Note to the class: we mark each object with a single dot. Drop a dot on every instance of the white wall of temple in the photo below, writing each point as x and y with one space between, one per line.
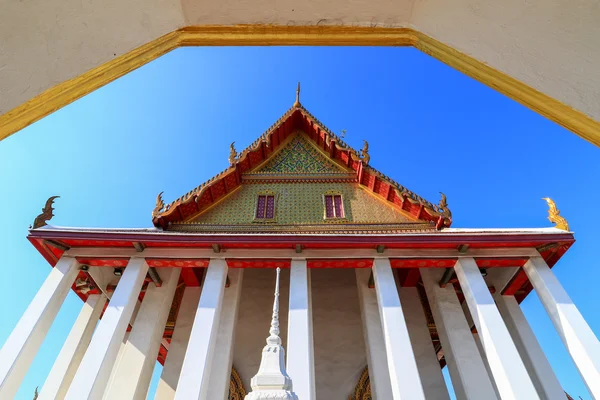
254 318
340 354
339 346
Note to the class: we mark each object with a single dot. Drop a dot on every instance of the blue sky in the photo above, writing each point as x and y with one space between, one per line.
167 127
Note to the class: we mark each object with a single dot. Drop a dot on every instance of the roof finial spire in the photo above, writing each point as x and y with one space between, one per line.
297 103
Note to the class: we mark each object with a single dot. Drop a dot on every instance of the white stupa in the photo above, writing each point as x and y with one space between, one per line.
272 381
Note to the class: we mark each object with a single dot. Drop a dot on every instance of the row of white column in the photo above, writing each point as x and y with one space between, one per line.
103 362
502 361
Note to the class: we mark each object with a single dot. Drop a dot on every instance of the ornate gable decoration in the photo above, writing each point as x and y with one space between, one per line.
299 157
298 144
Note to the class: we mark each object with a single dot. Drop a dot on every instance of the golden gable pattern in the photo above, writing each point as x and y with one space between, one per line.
300 157
302 204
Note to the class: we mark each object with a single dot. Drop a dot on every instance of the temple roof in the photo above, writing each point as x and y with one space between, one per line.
264 159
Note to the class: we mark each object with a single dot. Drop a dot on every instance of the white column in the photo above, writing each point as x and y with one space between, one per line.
510 375
68 360
220 373
133 372
193 381
479 344
181 335
379 375
544 379
467 370
576 334
300 363
93 373
404 374
430 371
23 343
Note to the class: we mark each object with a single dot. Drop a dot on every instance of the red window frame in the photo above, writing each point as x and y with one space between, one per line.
265 206
334 206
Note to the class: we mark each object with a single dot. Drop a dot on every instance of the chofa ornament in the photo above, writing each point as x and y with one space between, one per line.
554 215
160 204
46 215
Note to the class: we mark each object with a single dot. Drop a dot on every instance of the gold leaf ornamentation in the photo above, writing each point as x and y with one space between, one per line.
159 205
236 386
554 215
364 153
232 154
362 391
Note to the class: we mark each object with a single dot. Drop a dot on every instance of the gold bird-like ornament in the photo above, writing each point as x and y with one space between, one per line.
46 214
159 205
554 215
364 153
232 154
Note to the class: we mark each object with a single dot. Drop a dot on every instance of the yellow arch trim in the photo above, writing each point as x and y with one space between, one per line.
266 35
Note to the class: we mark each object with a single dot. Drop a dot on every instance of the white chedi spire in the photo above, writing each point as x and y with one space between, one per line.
272 381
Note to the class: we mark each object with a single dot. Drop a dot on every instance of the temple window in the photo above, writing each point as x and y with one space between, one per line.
334 205
265 207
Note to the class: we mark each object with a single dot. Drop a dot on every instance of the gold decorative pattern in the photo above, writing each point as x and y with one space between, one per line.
312 229
236 386
554 215
46 214
362 391
302 204
299 156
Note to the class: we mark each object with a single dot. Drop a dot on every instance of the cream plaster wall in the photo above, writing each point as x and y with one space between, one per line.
339 345
254 318
43 43
340 354
553 46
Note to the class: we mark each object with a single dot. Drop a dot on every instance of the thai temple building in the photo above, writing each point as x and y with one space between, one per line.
300 272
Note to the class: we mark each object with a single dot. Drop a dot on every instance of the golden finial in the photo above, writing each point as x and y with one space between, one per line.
232 154
46 214
159 205
364 153
297 103
554 215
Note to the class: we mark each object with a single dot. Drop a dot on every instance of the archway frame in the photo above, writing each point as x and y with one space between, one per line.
267 35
